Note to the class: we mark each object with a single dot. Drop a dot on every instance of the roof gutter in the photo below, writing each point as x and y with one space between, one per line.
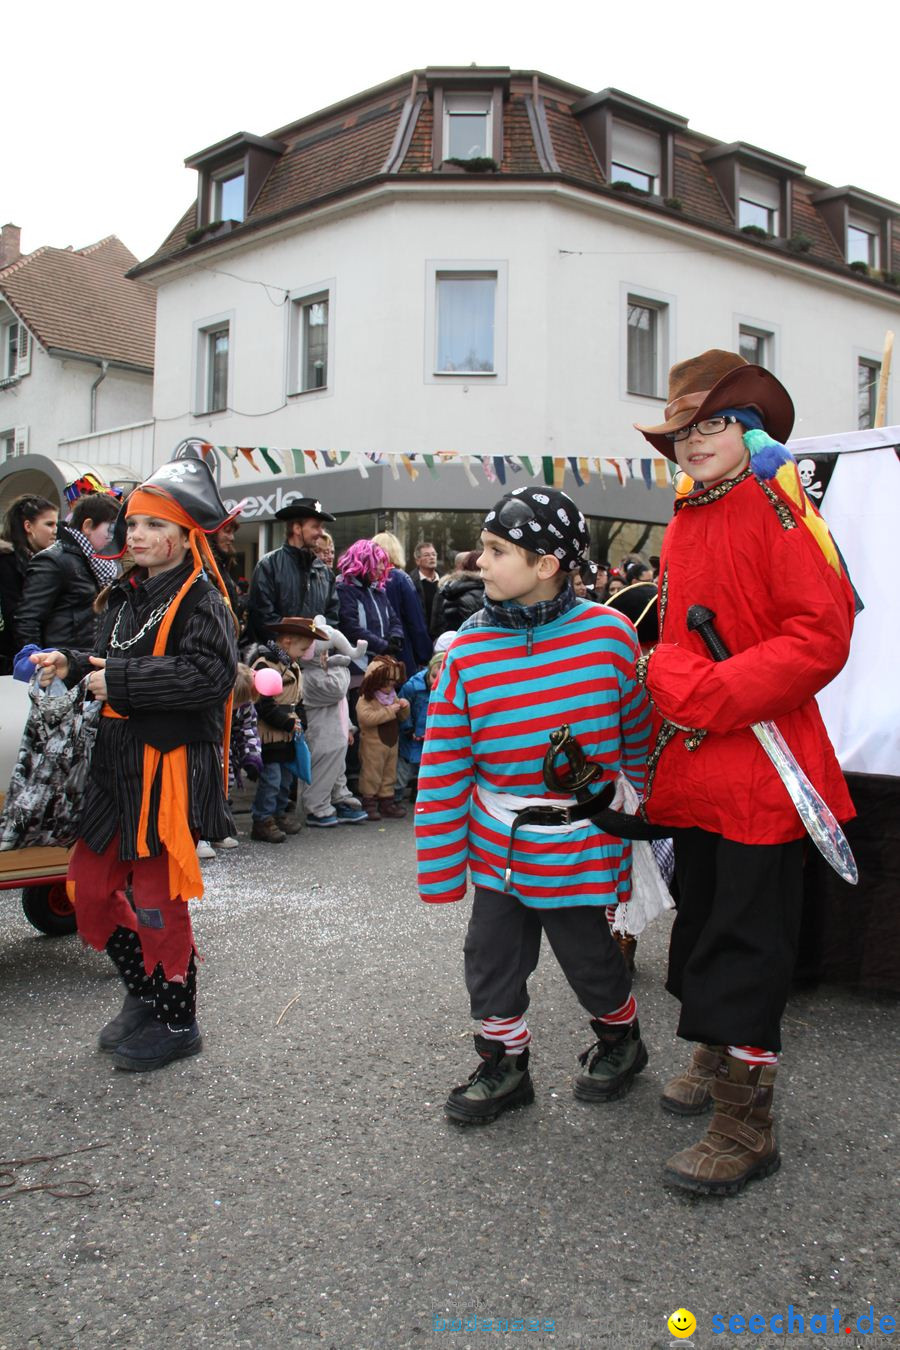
63 354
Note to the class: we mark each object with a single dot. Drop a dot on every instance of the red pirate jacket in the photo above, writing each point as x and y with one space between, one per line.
761 564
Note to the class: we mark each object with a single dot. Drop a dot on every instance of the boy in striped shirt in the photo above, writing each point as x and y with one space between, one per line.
534 658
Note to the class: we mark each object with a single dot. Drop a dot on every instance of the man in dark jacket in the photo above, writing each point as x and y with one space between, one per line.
63 581
293 579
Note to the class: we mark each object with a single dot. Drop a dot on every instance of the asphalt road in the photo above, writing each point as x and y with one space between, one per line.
298 1185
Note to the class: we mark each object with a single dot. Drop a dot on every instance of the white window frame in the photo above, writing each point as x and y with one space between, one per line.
482 104
873 360
664 304
435 270
770 332
238 169
294 355
203 330
8 444
870 227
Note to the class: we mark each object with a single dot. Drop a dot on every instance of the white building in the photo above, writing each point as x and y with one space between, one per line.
76 367
500 264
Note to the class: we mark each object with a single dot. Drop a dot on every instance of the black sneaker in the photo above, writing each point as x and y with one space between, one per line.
500 1082
616 1059
135 1012
155 1044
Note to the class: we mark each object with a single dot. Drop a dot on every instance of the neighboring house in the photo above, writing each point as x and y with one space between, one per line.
498 262
76 359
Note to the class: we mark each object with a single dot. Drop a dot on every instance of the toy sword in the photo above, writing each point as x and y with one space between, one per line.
818 821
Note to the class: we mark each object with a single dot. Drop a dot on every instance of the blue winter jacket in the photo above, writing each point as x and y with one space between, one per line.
412 731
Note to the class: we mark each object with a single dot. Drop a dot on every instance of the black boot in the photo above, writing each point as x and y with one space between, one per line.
135 1012
500 1082
172 1031
124 950
616 1059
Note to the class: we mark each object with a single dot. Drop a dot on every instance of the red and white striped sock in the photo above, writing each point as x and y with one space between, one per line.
621 1017
752 1054
512 1031
611 914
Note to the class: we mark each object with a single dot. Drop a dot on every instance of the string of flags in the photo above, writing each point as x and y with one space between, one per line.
552 469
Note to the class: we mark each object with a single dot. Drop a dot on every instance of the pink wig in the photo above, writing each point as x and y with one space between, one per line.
365 561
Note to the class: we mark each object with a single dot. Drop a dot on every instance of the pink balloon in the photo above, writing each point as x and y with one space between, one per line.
268 682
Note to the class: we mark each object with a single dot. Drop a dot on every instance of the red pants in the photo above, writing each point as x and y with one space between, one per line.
96 883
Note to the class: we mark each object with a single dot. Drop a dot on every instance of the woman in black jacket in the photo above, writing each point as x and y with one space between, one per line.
459 595
63 581
30 526
164 666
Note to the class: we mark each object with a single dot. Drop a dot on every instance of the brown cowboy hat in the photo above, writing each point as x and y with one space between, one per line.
704 385
292 626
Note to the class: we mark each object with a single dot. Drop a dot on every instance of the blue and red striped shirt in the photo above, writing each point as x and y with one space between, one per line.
502 690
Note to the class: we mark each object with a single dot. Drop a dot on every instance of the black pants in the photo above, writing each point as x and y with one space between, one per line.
503 944
734 942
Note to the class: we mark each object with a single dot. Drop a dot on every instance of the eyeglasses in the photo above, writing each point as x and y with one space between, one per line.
710 426
515 512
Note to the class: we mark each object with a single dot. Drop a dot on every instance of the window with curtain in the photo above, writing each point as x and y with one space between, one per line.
645 339
217 370
868 374
465 323
755 346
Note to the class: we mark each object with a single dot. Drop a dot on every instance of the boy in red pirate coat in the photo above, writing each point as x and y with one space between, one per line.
747 544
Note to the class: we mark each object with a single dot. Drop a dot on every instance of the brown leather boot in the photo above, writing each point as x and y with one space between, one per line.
740 1142
267 831
289 824
370 806
687 1094
391 810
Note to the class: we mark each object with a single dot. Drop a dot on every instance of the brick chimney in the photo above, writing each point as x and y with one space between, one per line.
10 238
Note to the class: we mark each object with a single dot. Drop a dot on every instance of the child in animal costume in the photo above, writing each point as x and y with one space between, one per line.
280 717
327 799
534 660
378 712
747 544
164 666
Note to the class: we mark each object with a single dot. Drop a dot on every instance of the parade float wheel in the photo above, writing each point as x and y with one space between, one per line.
49 909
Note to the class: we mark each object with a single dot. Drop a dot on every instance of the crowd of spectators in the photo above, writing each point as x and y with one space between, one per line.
394 624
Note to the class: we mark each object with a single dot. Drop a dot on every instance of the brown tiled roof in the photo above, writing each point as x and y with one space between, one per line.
346 148
418 155
81 301
327 160
574 155
519 153
696 188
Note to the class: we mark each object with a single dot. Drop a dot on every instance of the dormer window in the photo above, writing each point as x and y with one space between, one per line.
227 194
636 157
759 202
862 239
467 126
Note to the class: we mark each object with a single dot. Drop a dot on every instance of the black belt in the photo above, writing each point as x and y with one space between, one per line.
556 815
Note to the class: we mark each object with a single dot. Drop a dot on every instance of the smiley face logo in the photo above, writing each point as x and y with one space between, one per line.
682 1323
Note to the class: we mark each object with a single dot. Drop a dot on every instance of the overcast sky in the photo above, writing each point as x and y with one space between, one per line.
104 101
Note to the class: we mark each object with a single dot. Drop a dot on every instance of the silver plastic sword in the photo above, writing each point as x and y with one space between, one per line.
818 821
